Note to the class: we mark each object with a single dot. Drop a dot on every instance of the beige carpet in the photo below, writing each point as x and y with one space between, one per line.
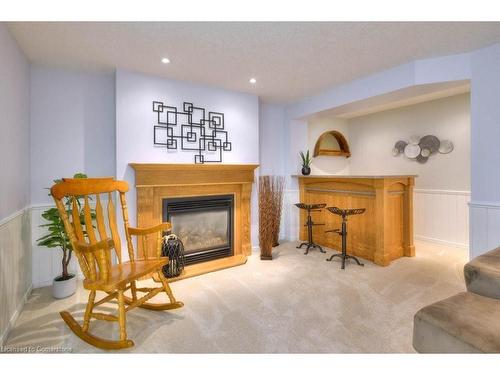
294 304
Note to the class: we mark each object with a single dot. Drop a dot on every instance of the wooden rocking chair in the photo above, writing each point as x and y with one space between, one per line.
95 259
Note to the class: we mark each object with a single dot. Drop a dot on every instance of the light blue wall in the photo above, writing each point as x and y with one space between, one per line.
15 250
271 139
14 126
72 126
485 117
135 119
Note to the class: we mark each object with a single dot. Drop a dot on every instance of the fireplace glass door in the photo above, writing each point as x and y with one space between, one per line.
204 225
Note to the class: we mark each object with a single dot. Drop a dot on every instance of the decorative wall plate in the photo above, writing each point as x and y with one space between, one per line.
422 159
425 152
430 142
446 147
414 140
412 151
400 146
421 149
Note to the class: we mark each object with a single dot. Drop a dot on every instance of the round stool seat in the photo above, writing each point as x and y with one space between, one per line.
346 212
311 206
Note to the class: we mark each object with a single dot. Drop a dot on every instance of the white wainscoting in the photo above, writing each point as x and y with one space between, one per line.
290 220
15 268
442 216
485 227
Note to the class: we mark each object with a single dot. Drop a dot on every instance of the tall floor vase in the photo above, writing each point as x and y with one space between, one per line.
270 208
278 185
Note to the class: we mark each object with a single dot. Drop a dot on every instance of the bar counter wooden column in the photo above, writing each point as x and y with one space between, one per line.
383 233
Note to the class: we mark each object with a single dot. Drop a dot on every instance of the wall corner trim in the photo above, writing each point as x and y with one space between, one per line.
484 204
12 216
445 192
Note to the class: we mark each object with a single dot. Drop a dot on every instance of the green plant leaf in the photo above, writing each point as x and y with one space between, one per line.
306 158
55 235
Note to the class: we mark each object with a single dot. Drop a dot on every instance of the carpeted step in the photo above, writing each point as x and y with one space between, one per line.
482 274
464 323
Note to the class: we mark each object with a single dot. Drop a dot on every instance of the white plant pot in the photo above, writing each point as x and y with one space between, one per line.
64 288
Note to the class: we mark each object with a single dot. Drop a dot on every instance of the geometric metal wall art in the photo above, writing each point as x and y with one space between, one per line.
420 149
191 129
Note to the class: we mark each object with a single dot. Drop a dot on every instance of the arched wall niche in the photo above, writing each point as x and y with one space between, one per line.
332 143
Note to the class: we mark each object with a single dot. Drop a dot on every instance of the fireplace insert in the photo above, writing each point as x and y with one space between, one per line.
204 225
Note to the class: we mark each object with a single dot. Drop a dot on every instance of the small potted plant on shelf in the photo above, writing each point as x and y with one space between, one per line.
64 285
306 163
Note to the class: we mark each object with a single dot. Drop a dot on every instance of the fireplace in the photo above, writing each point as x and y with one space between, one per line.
156 183
204 224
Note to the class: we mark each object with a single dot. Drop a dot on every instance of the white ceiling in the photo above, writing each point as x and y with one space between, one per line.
290 60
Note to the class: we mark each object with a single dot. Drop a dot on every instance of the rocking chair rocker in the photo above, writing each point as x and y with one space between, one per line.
94 256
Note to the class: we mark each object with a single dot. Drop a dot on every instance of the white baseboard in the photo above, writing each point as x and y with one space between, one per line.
15 315
42 284
442 242
419 238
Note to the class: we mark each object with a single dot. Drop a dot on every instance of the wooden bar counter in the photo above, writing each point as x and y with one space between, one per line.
383 233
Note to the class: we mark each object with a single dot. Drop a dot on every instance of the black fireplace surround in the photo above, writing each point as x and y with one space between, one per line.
204 224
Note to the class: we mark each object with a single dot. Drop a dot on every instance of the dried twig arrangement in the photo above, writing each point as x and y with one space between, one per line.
270 208
278 186
266 232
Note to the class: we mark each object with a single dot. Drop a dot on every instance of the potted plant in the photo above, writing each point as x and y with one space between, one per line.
306 163
64 285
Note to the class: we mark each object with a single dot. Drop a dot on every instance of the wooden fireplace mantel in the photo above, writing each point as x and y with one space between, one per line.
154 182
192 174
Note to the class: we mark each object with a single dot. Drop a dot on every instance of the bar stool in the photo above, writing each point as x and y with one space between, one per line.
309 224
344 213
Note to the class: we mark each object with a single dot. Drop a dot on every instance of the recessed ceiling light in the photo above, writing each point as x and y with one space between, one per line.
253 81
165 60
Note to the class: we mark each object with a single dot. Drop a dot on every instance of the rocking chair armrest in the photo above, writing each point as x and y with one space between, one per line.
106 244
154 229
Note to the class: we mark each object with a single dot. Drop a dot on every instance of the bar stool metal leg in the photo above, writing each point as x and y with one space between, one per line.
309 224
343 232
